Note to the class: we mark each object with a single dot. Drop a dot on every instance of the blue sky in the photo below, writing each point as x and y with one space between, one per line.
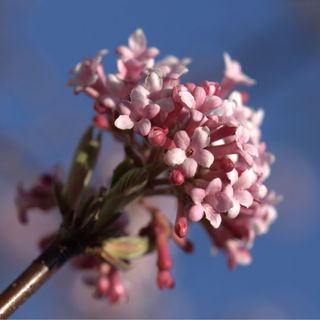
277 43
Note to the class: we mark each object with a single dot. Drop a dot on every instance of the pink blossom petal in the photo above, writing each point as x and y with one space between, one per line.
244 197
204 158
139 97
214 186
233 176
199 96
242 135
246 180
124 122
197 195
137 41
212 216
220 202
174 157
196 212
187 98
210 104
234 211
153 82
143 127
151 110
189 167
181 139
201 138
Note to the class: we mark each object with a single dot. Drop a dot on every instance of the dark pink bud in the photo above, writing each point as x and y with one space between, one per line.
157 136
164 258
176 177
101 122
165 280
181 225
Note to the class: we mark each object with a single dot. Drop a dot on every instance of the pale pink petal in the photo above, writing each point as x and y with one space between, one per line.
213 217
244 197
197 195
214 186
187 98
139 97
151 110
174 157
228 190
137 41
153 82
201 138
181 139
220 202
143 127
189 167
234 211
233 176
196 212
204 158
210 104
251 149
246 179
124 122
242 135
199 96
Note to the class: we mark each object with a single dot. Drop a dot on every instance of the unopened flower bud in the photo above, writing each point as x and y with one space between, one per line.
177 177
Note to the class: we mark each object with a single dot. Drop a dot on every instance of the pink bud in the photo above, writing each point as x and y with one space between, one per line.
157 136
181 225
101 122
165 280
176 177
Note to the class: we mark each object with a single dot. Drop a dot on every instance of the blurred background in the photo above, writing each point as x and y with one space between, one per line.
278 44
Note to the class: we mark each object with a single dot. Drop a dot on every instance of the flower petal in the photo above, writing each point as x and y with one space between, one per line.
137 41
124 122
196 212
234 211
244 197
181 139
189 167
204 158
187 99
197 195
201 138
139 97
214 186
246 180
151 110
143 127
212 216
174 157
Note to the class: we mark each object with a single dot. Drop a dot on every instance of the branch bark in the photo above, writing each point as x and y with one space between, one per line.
35 275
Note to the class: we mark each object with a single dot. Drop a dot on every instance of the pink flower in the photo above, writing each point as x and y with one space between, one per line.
233 72
136 57
190 152
238 190
89 73
210 202
137 113
40 196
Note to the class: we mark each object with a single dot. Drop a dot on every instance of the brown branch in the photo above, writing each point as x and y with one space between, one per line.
34 276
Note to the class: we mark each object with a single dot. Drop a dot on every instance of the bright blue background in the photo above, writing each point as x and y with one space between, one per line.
277 43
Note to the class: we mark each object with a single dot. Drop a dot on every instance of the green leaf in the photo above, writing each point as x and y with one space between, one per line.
130 186
127 247
83 163
121 169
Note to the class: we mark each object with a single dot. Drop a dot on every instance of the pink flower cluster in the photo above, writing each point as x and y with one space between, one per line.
200 142
205 134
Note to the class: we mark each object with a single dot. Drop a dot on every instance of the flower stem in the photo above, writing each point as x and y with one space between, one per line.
35 275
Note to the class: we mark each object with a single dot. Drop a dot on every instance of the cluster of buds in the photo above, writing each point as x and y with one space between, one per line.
199 143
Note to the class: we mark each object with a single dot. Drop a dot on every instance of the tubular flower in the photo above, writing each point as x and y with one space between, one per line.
200 143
